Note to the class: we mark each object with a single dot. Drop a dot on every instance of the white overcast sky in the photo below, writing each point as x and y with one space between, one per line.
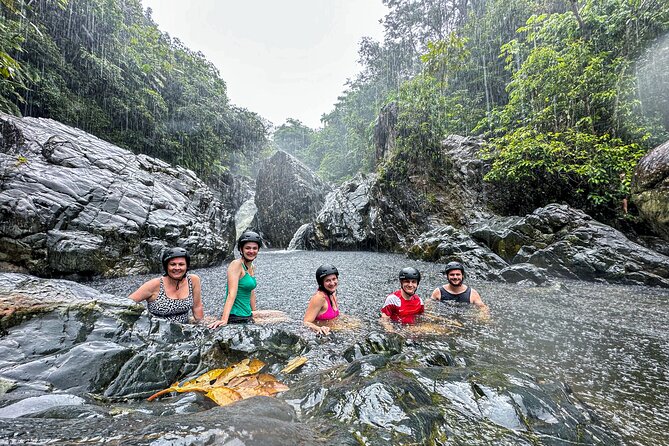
279 58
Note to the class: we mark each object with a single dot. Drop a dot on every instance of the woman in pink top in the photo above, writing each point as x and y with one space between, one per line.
323 305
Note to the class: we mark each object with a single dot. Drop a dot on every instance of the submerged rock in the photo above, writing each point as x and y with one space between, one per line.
74 205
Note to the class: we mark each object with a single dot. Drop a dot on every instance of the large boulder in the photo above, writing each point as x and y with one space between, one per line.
288 195
650 189
566 242
446 243
74 205
361 215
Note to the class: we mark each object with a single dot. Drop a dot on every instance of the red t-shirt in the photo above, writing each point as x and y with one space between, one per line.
402 310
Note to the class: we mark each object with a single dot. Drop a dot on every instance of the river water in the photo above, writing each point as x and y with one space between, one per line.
608 343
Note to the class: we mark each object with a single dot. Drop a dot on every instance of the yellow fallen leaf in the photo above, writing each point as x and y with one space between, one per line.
223 395
242 368
294 364
233 383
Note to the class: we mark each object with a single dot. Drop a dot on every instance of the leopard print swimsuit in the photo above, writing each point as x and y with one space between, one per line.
172 309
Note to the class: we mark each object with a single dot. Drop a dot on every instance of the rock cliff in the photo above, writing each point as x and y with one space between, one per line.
74 205
288 194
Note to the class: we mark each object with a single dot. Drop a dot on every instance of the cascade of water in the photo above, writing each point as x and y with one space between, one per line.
245 215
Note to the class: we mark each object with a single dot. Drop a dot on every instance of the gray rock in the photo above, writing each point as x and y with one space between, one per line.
72 204
385 131
650 189
359 215
446 244
523 272
70 352
288 195
372 212
390 397
568 243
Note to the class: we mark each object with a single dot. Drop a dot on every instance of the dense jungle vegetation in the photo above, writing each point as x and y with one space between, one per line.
568 94
104 66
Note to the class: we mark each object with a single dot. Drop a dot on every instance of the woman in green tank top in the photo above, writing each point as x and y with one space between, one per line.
240 295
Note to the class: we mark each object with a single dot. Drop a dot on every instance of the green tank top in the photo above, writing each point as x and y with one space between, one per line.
242 305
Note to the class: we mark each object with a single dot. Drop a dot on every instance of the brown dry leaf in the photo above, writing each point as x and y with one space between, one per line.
233 383
242 368
223 395
294 364
263 384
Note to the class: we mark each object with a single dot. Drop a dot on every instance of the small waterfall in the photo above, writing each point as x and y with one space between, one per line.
245 215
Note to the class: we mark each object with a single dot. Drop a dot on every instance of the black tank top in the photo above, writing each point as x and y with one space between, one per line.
461 297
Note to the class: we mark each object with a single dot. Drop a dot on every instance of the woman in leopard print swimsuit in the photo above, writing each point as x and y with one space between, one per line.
166 296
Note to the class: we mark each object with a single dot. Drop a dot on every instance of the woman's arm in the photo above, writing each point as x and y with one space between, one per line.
234 273
146 291
315 308
198 308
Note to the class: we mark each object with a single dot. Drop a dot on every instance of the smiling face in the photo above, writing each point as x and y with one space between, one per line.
330 283
176 268
455 277
250 250
409 286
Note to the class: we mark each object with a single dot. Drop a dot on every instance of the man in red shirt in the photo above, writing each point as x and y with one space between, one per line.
404 305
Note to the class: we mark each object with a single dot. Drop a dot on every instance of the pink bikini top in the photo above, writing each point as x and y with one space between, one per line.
330 313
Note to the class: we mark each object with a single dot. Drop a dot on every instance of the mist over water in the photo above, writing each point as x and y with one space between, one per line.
652 80
608 343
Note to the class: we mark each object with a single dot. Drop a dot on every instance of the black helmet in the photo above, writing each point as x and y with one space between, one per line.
450 266
173 253
323 271
410 273
249 236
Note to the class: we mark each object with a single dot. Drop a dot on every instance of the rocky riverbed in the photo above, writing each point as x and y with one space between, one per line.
562 363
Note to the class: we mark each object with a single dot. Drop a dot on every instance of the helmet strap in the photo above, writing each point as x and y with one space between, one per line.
178 281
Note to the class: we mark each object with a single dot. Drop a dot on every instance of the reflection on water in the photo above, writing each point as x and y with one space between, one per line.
609 343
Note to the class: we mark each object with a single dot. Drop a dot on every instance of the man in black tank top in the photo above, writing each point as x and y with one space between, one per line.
455 290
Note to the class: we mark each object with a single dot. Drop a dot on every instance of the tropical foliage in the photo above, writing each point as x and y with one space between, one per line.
552 85
103 66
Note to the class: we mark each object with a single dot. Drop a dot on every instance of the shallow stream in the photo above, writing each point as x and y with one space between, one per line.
608 343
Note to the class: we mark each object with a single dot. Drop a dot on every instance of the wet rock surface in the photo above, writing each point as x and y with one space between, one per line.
555 240
79 370
359 215
650 189
74 205
568 243
288 195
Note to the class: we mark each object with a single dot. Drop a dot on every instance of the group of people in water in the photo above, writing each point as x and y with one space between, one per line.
174 295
